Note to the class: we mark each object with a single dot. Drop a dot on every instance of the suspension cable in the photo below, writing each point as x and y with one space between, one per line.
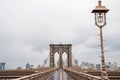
46 60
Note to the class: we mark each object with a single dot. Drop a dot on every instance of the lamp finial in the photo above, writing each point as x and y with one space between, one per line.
99 3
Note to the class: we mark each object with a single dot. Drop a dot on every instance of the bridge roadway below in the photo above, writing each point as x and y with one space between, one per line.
60 74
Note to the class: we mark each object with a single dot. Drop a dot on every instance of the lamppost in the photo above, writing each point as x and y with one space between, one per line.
100 21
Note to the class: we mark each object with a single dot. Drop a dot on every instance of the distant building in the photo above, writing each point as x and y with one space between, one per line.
91 66
39 66
18 68
108 65
76 63
114 67
83 64
2 66
87 65
28 66
98 66
31 66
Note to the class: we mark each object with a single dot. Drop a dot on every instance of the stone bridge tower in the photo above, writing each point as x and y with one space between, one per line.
60 49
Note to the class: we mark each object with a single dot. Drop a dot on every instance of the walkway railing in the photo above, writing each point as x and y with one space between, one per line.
82 74
38 75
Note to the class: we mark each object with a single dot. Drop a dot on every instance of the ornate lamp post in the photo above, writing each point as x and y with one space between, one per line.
100 20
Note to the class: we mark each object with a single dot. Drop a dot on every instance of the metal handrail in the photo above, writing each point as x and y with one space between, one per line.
34 75
88 76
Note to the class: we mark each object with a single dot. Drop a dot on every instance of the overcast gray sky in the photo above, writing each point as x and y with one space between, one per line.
27 27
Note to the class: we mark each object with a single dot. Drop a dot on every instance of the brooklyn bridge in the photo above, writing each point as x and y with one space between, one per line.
68 71
59 72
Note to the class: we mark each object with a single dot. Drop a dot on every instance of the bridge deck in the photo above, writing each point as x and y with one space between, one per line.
70 73
60 75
